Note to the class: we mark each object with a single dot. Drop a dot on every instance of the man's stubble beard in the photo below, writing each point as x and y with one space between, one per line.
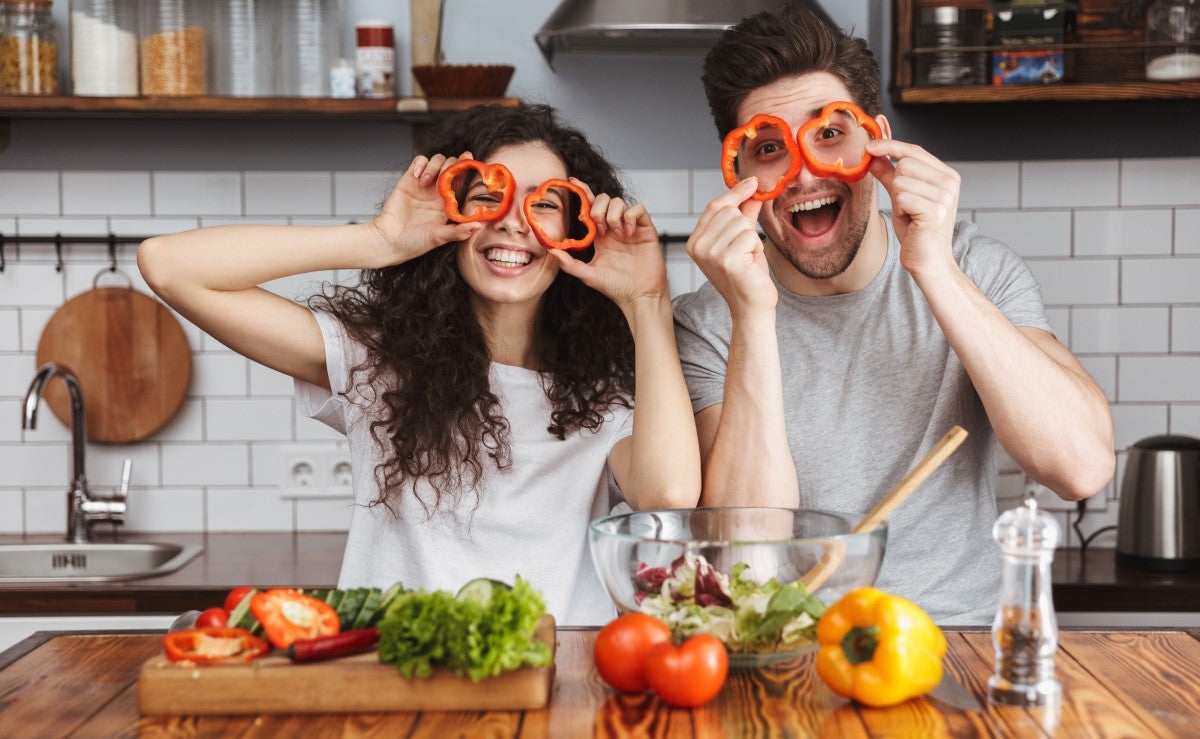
836 258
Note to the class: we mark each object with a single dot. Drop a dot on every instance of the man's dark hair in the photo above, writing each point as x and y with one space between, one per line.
768 46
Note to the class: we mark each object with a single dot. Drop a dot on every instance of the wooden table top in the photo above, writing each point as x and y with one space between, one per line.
1114 684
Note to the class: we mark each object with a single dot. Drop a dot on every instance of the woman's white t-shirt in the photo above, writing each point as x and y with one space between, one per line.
531 519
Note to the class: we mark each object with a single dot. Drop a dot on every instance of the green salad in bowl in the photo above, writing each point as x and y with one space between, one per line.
735 573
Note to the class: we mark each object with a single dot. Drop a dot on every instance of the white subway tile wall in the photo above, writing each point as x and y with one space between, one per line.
1115 245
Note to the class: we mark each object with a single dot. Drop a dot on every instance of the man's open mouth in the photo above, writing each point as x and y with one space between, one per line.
814 218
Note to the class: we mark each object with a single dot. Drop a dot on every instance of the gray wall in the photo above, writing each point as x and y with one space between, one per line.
644 112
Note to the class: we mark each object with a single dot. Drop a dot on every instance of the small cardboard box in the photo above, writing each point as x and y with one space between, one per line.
1032 32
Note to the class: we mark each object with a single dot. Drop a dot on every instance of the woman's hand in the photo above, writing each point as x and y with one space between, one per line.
628 265
413 220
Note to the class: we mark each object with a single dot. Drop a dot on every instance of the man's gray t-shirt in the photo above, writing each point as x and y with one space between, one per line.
869 386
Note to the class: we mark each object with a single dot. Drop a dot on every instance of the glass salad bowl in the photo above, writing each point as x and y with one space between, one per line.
741 574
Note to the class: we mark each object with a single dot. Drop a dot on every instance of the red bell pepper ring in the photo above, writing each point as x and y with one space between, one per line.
733 142
212 644
288 616
585 216
838 169
496 178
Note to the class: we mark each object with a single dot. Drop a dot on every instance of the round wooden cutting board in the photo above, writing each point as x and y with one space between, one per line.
130 355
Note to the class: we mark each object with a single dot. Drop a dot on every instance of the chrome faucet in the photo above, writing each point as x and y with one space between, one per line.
83 509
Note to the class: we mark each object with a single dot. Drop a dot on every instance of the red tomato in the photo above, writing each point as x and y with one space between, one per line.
689 675
235 596
212 617
621 648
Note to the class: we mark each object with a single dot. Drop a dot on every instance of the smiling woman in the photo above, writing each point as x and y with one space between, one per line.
485 380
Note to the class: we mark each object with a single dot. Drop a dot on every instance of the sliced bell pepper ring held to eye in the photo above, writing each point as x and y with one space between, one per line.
211 644
585 216
288 615
733 142
846 172
496 178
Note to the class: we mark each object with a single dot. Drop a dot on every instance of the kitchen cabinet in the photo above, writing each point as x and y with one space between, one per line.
1108 51
14 629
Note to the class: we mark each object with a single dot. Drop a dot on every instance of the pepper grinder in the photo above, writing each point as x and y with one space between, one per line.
1025 631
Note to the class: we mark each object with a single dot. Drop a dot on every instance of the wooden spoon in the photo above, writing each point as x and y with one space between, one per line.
835 550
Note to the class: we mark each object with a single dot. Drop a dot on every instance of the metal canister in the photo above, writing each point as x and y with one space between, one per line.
950 27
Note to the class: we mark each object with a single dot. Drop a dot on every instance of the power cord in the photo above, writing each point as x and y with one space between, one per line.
1084 541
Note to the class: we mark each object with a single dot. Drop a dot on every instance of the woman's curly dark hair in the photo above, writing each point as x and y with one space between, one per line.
435 415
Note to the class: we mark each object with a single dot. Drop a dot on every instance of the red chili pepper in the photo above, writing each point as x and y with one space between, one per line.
838 169
338 645
211 644
288 615
496 178
585 216
733 142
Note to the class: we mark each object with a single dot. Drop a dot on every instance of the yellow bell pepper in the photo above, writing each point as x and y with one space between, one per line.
879 649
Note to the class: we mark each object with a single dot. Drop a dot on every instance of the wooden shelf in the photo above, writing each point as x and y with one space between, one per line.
1107 61
1062 91
405 109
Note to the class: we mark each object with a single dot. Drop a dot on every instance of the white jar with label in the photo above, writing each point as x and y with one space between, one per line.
375 59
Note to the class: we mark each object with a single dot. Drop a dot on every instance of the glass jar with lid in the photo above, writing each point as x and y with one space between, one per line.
243 47
104 47
310 38
1173 33
28 48
174 47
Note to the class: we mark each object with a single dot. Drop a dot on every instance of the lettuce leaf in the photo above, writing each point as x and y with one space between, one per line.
424 630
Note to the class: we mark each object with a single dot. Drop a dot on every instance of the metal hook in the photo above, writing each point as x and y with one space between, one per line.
1 251
58 262
112 252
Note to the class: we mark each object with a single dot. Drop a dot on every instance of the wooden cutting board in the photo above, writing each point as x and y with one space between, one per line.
351 684
130 355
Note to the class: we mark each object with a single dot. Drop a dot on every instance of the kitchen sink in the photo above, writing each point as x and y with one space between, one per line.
92 562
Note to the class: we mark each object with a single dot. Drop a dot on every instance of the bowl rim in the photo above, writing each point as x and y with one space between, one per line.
880 530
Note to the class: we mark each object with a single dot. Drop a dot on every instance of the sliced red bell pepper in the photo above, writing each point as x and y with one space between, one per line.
839 169
211 644
585 216
496 178
733 142
288 615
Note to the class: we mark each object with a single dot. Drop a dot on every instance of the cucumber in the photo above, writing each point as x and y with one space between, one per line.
319 593
385 601
335 598
241 617
480 589
367 612
349 608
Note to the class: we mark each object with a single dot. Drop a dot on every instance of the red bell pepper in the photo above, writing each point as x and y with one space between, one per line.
733 142
585 216
288 615
839 169
496 178
211 644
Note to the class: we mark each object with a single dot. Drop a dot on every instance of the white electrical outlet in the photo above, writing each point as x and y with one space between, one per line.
315 471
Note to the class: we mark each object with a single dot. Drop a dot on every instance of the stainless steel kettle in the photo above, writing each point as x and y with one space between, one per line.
1158 525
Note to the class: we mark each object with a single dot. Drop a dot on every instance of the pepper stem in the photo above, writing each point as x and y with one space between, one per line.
859 644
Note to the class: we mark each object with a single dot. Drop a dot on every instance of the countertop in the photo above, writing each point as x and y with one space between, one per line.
1092 582
1114 684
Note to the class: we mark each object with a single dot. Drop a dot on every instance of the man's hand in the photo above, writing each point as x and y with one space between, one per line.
924 192
726 246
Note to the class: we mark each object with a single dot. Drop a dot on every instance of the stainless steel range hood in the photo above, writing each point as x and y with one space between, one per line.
645 26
